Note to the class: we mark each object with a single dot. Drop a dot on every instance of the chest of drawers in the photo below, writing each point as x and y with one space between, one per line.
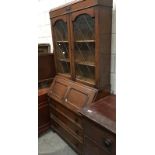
43 111
67 98
99 123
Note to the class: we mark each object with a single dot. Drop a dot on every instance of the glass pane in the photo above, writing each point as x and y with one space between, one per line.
63 67
62 49
85 72
84 47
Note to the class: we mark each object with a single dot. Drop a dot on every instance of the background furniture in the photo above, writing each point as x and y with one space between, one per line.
81 34
99 122
46 73
43 111
66 99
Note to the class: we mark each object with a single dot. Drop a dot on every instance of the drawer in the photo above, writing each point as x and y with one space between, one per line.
43 115
66 112
67 122
67 136
42 98
100 136
90 148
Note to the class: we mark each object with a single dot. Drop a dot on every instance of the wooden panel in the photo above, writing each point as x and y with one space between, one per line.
78 5
54 20
67 136
46 66
44 48
100 135
43 111
103 112
77 98
58 11
43 114
89 11
72 116
90 3
90 148
67 122
42 95
58 89
80 95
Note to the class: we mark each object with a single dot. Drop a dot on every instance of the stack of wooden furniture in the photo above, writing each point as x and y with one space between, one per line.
46 73
81 32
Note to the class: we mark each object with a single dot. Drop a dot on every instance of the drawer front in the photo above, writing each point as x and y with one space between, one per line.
90 148
72 126
42 98
43 114
67 136
68 113
101 136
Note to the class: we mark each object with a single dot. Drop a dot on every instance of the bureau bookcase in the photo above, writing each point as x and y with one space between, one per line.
81 33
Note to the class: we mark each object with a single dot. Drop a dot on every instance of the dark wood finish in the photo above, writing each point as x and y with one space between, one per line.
99 122
101 12
78 5
44 48
43 111
46 73
67 98
46 66
69 137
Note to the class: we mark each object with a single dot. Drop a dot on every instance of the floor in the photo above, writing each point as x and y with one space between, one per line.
51 144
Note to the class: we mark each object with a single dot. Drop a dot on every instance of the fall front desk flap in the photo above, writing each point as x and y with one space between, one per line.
71 94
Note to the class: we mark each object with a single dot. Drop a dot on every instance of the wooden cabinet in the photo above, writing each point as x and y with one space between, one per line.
43 111
46 73
67 98
46 66
99 123
81 34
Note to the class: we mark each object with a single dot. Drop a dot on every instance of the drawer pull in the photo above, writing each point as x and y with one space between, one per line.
107 143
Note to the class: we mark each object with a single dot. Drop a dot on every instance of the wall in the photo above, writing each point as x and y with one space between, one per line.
44 31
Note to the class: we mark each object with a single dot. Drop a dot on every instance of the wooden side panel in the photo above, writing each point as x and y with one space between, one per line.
43 112
103 47
46 66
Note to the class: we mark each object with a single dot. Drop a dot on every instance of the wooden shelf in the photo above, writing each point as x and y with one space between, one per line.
68 75
63 41
85 80
86 63
85 41
64 60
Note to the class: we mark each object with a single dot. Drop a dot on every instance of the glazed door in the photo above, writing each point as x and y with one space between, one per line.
83 27
61 43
